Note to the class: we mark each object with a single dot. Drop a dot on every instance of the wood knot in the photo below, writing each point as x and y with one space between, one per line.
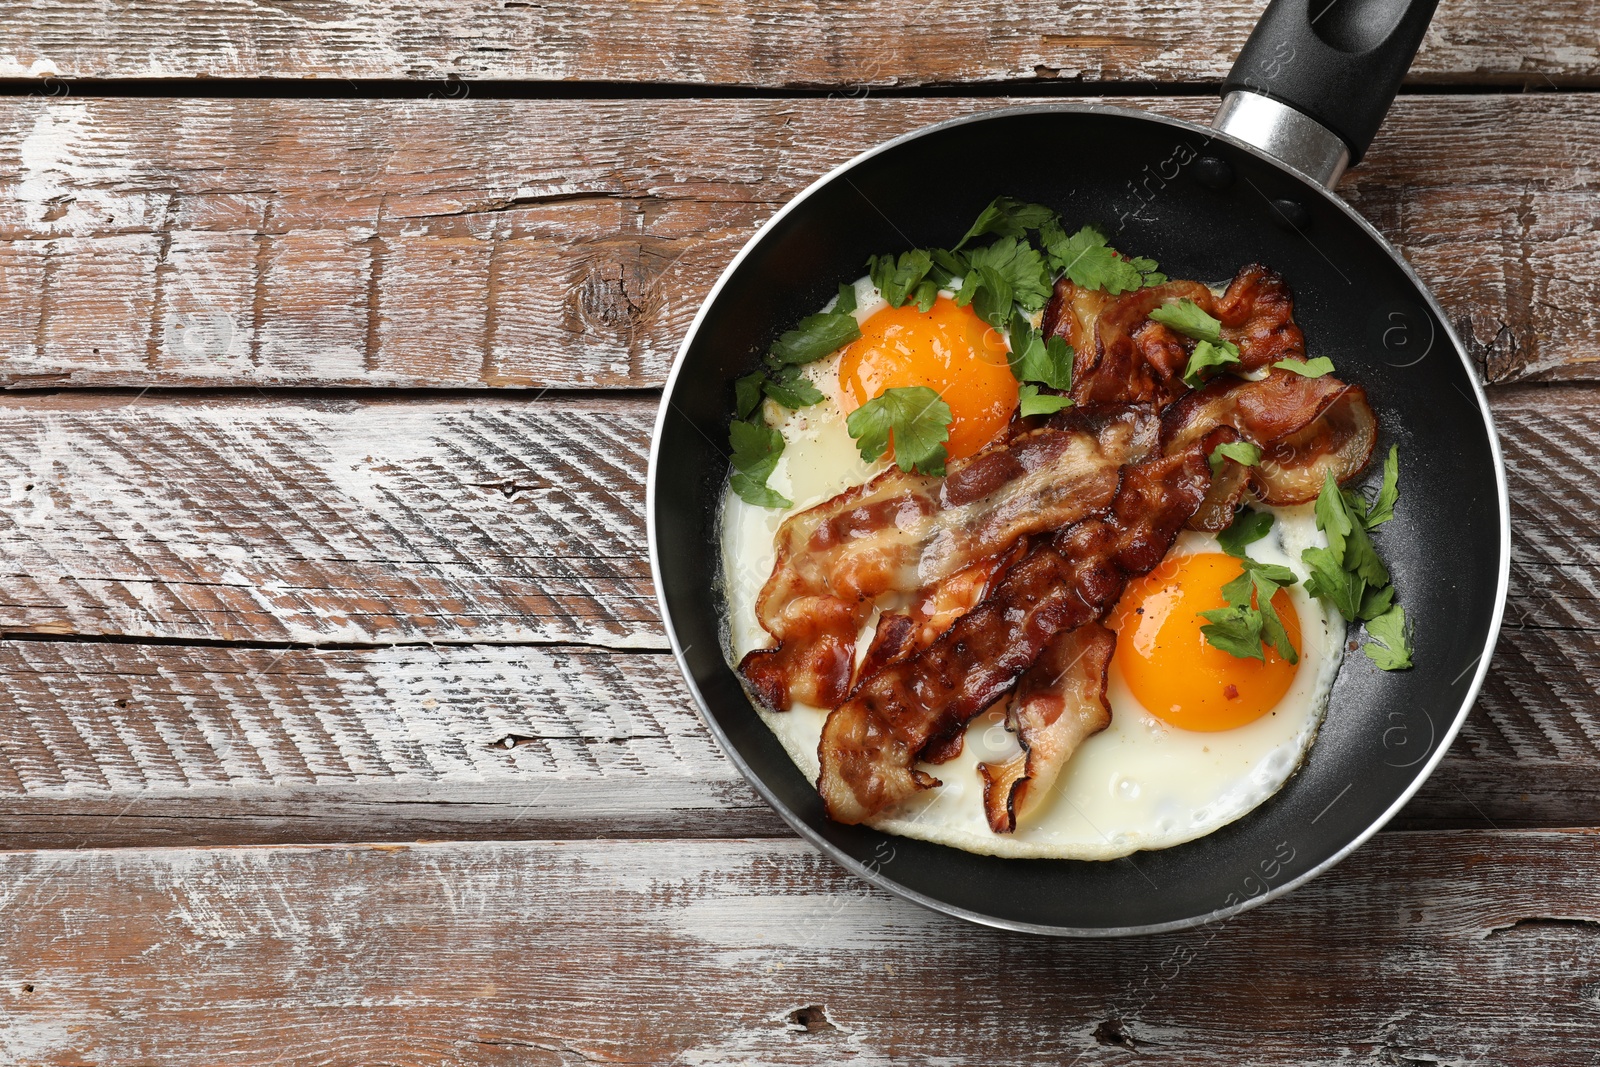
1112 1032
603 300
812 1019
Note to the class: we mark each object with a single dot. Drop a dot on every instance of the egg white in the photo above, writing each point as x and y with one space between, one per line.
1140 783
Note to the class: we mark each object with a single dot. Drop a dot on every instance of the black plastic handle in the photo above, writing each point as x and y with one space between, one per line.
1338 61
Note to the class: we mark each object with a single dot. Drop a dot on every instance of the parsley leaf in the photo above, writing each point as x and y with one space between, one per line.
1389 495
1090 262
902 279
747 394
1330 581
1207 356
1032 402
1307 368
1009 217
846 303
1333 517
1186 317
1244 453
1247 528
1235 629
1349 572
1047 361
1272 630
1361 556
819 335
1002 272
1250 621
1376 602
1389 648
989 293
756 448
918 420
788 388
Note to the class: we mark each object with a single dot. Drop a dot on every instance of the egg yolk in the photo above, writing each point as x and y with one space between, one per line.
947 348
1167 662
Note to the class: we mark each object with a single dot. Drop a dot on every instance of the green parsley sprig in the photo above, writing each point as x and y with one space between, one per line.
781 378
1250 623
1092 263
1186 317
911 418
1350 574
756 448
1039 361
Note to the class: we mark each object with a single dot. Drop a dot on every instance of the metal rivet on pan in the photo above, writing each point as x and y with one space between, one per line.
1291 214
1213 173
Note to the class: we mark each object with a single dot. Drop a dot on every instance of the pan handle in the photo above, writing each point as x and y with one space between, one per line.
1313 82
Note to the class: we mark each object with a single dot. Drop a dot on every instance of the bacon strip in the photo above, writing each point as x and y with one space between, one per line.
1121 356
1060 702
1257 314
909 533
870 743
1306 428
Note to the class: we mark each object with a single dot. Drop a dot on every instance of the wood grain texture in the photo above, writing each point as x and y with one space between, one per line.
830 43
390 524
469 521
1421 948
115 744
326 522
525 244
161 744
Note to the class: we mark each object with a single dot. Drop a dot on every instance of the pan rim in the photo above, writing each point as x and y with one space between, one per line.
872 875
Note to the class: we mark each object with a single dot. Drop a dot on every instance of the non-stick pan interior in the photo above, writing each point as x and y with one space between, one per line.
1202 207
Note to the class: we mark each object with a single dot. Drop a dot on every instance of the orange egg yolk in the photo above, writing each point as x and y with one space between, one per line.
1168 664
947 348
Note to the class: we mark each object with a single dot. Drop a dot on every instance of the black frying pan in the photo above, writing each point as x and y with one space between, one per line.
1305 98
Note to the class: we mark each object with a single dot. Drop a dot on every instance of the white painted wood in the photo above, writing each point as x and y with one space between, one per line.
736 42
326 521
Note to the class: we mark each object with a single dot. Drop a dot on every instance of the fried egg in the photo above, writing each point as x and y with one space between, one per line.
1198 737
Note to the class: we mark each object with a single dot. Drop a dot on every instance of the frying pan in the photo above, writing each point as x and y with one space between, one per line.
1303 102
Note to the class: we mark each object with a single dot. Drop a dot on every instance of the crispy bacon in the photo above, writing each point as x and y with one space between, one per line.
910 534
870 743
994 579
1118 358
1060 701
1257 314
1122 356
1306 427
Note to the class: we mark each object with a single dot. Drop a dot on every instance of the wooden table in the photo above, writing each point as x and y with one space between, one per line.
338 725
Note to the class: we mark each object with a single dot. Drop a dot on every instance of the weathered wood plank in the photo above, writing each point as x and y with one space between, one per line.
736 42
467 521
326 522
114 744
152 744
532 244
1421 948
